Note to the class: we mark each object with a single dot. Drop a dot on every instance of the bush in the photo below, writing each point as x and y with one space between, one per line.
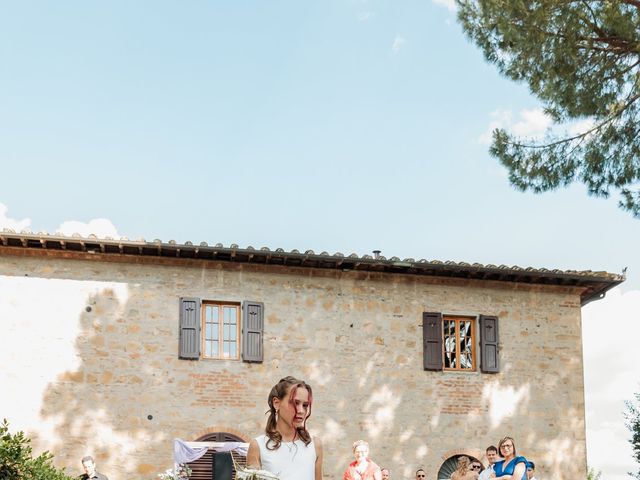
632 415
592 474
17 462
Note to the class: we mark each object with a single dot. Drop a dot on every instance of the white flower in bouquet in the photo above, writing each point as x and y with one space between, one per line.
245 473
182 472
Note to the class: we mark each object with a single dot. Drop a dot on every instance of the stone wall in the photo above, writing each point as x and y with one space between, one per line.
89 364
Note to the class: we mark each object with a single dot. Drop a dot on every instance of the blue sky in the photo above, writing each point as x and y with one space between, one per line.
342 125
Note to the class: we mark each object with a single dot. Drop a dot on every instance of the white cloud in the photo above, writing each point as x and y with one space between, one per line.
100 227
610 340
364 16
530 124
448 4
581 126
12 223
398 42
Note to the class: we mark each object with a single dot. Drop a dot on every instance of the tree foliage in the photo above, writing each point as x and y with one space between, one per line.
582 60
17 462
592 474
632 415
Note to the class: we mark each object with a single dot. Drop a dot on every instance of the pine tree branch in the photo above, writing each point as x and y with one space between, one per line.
623 72
633 3
597 127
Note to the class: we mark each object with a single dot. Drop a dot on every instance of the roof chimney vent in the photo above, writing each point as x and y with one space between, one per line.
376 254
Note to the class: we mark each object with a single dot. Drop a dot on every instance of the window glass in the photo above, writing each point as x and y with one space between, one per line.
221 323
458 343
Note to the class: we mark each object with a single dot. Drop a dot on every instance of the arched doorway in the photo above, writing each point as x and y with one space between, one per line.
202 469
450 464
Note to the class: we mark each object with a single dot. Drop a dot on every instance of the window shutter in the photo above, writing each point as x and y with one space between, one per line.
189 328
432 340
252 331
489 358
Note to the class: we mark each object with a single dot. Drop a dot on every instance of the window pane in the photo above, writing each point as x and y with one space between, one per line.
465 329
449 344
232 350
215 349
230 314
208 349
226 349
449 328
233 332
465 361
208 332
207 313
215 314
453 360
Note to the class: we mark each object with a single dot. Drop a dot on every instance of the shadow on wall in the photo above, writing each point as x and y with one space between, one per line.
117 402
105 407
472 410
404 446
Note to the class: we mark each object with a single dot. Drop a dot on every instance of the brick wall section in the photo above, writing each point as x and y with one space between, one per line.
219 389
356 337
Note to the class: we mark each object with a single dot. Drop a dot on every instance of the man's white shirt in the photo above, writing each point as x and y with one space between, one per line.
484 475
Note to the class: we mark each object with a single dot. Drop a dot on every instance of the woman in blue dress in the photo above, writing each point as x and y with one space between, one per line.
511 467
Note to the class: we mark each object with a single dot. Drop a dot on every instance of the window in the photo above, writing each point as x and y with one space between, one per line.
450 342
221 327
221 330
459 340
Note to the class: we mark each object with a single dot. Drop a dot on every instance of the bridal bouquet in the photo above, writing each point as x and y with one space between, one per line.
248 473
245 473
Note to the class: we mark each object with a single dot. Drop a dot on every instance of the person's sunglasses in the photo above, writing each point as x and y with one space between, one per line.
420 476
476 467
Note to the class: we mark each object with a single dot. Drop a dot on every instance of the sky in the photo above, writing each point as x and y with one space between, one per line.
340 126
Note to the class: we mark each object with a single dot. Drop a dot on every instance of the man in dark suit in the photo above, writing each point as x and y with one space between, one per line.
89 466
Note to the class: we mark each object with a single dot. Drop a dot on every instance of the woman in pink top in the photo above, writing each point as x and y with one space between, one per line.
362 468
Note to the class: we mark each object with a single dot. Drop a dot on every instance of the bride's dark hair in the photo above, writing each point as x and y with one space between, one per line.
286 386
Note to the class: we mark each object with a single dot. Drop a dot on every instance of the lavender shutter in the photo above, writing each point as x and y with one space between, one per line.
252 331
489 355
189 343
432 340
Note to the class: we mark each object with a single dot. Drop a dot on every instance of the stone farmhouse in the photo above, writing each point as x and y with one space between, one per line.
116 347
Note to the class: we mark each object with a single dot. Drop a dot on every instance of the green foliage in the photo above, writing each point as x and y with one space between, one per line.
632 415
582 60
17 462
592 474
